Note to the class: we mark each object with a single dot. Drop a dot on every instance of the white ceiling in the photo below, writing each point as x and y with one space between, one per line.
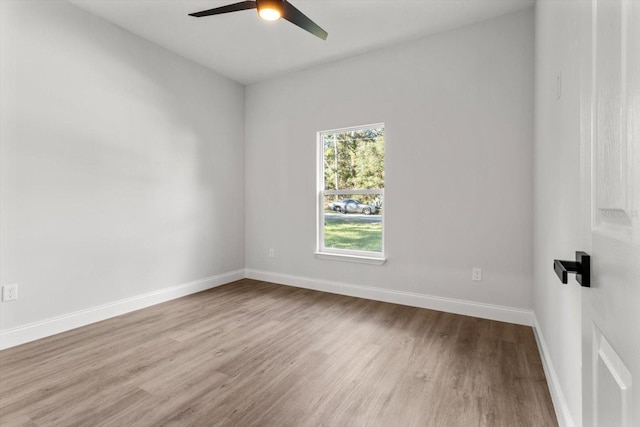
247 49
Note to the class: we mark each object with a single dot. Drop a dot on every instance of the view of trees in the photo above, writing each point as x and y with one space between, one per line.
354 160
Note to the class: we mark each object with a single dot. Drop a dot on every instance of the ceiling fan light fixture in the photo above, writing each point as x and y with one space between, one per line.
269 14
270 10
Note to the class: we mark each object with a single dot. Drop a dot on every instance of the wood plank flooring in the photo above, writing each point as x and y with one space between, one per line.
257 354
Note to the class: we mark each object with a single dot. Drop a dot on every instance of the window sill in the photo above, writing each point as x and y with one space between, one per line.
350 258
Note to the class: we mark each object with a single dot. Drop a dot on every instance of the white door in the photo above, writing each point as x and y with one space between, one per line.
611 178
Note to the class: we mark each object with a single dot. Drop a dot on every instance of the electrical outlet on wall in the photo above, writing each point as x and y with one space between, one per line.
10 292
559 85
476 274
272 253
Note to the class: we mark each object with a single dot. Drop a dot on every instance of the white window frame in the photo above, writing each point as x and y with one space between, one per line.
323 252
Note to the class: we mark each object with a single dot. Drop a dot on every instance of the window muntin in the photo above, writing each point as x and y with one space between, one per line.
351 191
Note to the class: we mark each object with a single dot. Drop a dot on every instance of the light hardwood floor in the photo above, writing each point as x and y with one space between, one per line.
257 354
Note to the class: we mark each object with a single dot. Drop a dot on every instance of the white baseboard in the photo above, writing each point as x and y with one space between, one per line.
58 324
557 396
55 325
450 305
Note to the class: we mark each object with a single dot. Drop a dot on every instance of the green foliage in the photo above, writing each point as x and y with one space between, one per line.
354 160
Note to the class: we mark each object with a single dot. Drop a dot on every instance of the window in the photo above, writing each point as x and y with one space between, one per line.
351 193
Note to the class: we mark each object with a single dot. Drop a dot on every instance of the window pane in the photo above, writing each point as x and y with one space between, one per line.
351 166
354 159
353 222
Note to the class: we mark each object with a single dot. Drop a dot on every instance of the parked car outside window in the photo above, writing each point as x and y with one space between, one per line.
352 206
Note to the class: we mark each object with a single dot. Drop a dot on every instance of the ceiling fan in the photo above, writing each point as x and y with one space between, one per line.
270 10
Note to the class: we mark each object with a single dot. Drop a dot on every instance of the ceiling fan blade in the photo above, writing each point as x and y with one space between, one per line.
243 5
298 18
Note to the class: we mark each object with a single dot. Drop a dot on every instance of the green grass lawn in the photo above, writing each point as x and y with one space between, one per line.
347 233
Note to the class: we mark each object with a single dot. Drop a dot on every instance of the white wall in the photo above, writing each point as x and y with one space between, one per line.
557 198
458 109
122 164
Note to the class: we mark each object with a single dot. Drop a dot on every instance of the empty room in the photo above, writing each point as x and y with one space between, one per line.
320 213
